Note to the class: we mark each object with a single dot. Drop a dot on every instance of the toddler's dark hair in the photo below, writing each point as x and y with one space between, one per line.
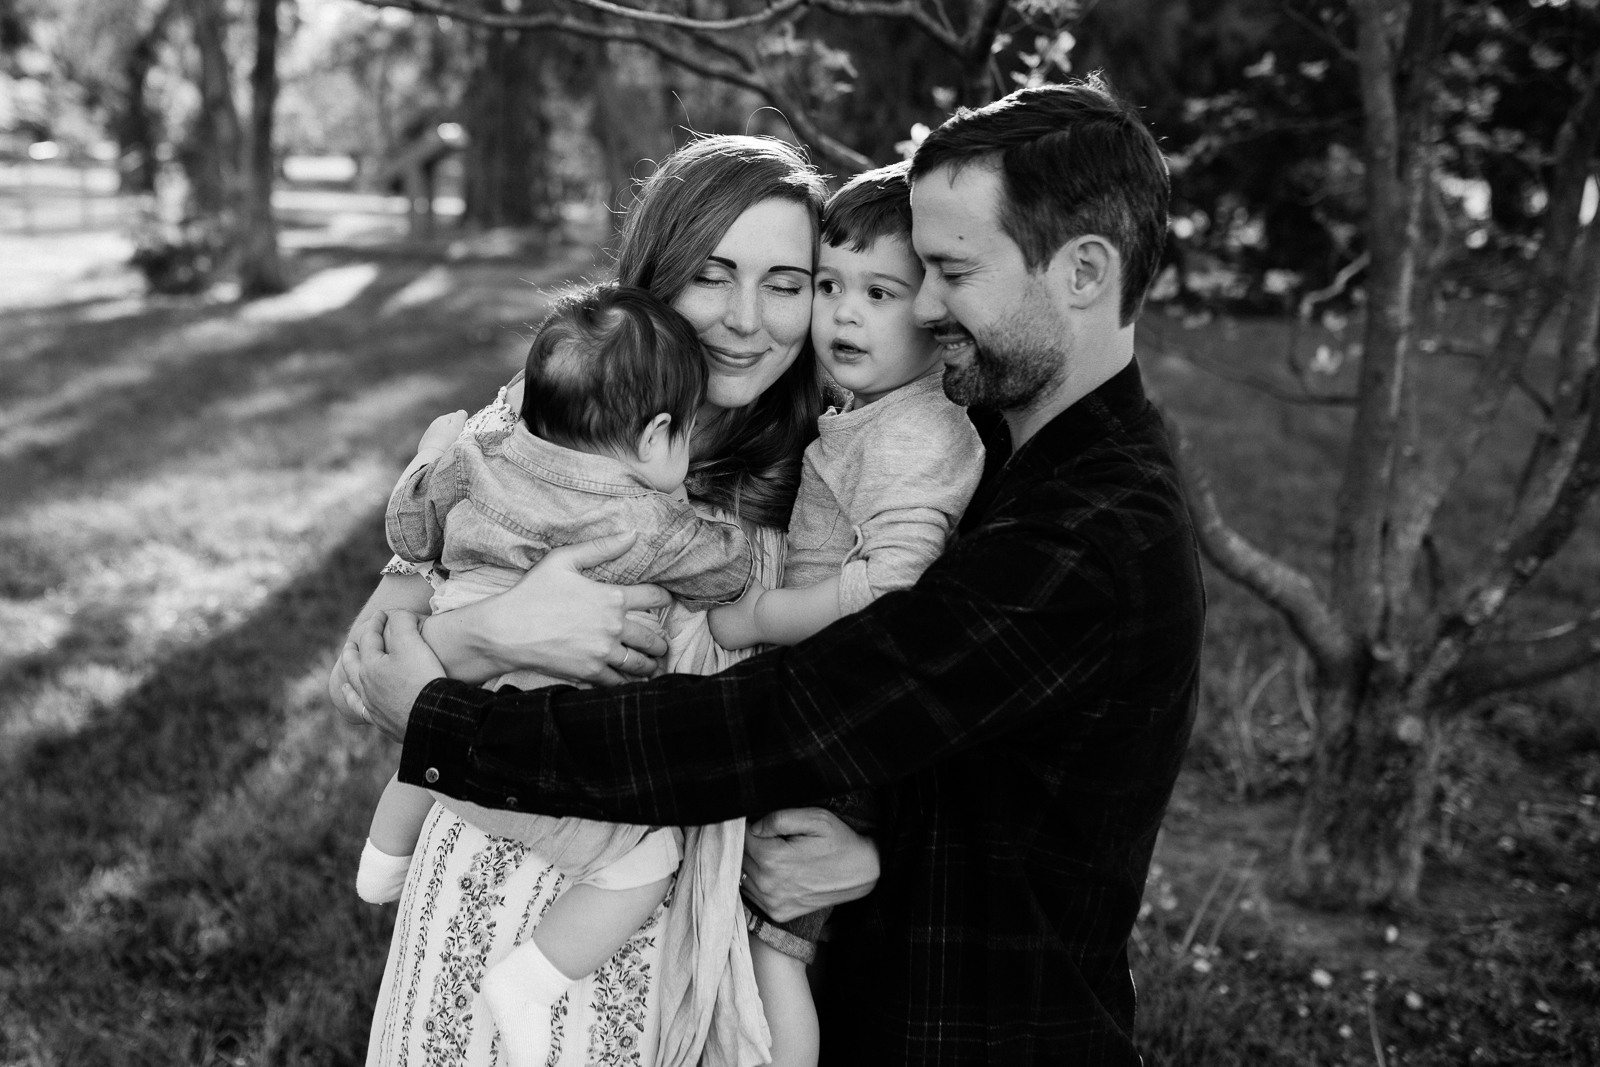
869 207
605 362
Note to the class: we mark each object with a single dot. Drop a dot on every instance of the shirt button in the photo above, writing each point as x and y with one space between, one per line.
431 775
511 802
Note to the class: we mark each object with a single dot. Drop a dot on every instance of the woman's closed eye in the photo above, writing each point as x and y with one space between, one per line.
786 285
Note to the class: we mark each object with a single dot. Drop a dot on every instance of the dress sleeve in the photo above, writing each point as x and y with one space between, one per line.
917 480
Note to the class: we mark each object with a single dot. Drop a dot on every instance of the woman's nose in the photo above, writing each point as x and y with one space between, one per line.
743 313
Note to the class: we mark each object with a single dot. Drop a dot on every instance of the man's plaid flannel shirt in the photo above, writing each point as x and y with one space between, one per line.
1021 711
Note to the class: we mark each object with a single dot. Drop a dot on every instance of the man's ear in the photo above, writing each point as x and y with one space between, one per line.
1087 269
656 439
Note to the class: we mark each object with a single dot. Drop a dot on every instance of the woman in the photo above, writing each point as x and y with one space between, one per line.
725 231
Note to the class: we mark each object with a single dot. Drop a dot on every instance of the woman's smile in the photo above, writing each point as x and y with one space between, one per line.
751 301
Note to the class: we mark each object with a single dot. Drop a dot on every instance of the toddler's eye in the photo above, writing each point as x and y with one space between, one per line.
827 287
878 292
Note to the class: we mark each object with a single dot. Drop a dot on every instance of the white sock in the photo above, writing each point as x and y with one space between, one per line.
381 877
521 991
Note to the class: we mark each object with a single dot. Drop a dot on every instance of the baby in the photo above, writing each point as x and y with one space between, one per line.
881 489
614 378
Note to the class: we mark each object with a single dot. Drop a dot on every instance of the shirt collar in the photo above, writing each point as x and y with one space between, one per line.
1115 403
567 466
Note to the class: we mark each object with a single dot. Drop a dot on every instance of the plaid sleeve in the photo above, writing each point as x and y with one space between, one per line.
915 677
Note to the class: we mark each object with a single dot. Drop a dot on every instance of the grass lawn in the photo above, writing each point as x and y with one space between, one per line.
193 514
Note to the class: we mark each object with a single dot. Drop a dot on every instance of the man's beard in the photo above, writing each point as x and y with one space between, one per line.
1009 371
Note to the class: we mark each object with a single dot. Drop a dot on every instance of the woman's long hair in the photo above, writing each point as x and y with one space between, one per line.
749 460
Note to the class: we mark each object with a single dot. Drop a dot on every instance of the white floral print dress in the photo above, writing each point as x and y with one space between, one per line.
471 897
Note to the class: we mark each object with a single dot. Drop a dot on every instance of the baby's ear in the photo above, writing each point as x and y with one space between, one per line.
656 438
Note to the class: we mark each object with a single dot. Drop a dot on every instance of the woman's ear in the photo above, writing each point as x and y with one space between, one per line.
1086 268
656 440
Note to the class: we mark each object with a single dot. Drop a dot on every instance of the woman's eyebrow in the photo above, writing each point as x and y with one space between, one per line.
798 270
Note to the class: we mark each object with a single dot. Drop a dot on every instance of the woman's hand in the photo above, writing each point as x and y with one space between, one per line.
802 859
556 621
395 592
392 664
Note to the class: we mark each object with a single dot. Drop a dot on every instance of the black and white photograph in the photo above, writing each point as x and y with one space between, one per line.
821 533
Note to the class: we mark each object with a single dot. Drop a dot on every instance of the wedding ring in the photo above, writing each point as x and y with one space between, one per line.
627 658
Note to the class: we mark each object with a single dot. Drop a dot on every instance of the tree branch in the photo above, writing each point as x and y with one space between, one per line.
1441 469
911 10
834 151
504 21
1321 33
1279 585
1496 666
1361 519
1556 449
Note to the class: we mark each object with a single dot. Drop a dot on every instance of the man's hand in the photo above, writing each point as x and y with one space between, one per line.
557 621
391 665
802 859
733 626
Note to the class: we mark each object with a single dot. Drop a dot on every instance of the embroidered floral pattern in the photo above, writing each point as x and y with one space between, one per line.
465 951
620 991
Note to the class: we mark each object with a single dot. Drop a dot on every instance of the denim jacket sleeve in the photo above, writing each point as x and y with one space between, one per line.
699 560
414 521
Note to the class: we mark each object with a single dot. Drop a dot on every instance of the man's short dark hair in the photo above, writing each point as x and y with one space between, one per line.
1073 159
605 362
869 207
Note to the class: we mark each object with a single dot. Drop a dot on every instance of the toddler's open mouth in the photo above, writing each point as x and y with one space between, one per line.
846 352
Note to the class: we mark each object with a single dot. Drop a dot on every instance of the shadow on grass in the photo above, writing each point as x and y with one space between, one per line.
189 856
180 850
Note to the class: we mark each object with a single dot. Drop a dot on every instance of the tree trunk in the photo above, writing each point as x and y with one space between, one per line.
1364 820
135 125
213 157
260 269
506 178
632 122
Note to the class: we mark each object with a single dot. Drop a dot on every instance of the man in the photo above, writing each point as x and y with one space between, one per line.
1022 711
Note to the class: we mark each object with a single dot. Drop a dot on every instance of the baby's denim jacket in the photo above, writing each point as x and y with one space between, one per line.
503 500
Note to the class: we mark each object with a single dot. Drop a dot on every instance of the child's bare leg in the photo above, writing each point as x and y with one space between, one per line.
396 825
786 998
579 932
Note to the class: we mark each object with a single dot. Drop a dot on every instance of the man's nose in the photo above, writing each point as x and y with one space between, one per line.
928 308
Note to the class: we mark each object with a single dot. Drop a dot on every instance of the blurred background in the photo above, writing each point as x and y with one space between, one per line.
248 248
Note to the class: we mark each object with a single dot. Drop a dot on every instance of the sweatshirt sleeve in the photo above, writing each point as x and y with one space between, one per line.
916 480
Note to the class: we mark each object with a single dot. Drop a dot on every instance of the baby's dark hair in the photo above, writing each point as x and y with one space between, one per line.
869 207
605 362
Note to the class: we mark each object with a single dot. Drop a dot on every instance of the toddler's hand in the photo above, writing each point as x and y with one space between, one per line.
442 433
734 625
